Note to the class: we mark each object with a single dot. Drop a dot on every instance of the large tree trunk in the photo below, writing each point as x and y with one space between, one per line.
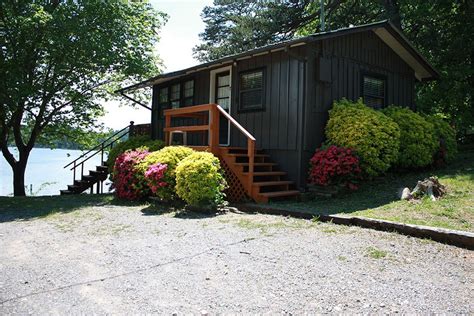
18 168
19 179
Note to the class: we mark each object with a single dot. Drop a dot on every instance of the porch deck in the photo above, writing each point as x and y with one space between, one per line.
249 171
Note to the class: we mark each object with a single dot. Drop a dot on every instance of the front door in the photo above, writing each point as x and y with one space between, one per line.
221 94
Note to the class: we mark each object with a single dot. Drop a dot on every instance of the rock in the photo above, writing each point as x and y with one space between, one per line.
405 194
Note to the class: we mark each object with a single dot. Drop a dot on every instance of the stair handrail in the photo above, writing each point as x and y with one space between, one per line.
101 144
100 148
213 127
250 143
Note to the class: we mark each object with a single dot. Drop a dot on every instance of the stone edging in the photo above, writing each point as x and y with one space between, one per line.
451 237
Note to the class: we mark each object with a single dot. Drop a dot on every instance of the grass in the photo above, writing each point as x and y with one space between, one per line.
376 253
379 198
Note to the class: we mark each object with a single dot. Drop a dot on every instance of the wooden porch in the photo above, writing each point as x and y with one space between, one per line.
250 172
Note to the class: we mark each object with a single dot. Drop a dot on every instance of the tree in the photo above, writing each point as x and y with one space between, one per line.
57 59
441 30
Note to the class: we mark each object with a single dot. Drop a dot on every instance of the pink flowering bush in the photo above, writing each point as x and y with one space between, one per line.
155 176
128 182
334 165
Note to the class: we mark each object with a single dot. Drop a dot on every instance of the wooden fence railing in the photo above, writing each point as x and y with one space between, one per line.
213 112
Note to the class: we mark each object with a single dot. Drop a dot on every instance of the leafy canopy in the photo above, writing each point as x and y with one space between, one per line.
58 59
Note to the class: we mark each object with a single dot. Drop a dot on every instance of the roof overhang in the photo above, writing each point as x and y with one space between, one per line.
394 39
385 30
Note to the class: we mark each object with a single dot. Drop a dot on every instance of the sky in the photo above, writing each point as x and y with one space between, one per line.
177 38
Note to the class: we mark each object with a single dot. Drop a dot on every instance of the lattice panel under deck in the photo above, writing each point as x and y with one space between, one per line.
236 191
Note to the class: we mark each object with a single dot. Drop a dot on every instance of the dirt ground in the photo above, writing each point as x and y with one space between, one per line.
113 259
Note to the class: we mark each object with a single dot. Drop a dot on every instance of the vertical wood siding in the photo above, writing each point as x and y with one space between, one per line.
291 126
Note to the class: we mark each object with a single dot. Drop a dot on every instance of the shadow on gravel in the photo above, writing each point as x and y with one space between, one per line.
178 211
29 208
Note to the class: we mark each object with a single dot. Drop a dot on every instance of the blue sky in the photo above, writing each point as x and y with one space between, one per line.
178 37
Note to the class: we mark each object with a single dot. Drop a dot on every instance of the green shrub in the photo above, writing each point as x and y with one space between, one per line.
372 135
144 142
169 156
199 180
446 136
418 142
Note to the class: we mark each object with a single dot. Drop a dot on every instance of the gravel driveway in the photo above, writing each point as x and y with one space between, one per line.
129 260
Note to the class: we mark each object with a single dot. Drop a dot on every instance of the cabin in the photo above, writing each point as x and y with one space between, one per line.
263 112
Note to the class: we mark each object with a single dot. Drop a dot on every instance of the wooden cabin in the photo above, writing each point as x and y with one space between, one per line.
263 112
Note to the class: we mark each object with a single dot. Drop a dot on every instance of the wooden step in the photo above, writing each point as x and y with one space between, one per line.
268 173
66 192
245 155
102 168
280 193
256 164
225 148
88 178
271 183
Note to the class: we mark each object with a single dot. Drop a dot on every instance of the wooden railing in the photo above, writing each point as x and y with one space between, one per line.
213 113
101 149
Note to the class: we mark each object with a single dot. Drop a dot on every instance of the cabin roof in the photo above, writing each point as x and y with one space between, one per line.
385 30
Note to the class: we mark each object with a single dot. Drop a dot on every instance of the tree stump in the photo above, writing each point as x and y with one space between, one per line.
430 187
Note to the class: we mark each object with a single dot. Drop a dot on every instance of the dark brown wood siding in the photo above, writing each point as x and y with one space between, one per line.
277 128
301 85
339 65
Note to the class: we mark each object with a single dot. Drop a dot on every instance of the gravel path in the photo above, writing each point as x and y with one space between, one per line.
123 260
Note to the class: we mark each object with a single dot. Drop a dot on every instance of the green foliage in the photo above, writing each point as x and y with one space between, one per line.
171 156
144 142
417 137
372 135
445 134
199 180
57 60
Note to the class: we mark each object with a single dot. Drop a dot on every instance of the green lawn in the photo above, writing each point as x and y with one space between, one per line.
378 199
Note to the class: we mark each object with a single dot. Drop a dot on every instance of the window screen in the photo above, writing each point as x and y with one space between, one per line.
175 95
188 93
251 90
163 96
374 91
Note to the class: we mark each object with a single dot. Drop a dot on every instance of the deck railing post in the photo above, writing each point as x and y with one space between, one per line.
74 173
167 134
214 129
102 154
131 129
251 154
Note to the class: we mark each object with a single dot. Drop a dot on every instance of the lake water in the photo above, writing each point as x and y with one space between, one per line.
45 174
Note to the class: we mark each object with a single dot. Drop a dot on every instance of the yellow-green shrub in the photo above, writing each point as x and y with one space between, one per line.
199 180
446 136
143 142
171 156
418 142
372 135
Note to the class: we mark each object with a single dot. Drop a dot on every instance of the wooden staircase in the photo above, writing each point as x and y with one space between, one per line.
260 178
268 181
88 181
97 177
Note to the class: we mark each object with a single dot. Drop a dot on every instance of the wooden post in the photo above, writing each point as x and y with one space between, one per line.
251 154
214 129
131 128
167 134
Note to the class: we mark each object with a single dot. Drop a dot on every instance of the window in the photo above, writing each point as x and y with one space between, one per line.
175 95
188 93
373 91
251 85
